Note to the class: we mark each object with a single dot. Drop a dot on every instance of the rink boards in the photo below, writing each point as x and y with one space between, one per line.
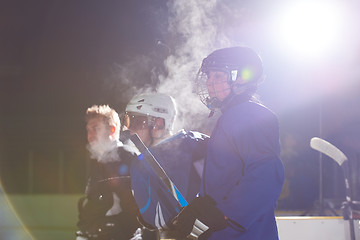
315 228
43 217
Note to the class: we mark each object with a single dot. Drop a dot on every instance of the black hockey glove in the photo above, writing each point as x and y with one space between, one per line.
204 209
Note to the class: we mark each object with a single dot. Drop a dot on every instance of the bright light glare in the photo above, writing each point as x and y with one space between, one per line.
309 28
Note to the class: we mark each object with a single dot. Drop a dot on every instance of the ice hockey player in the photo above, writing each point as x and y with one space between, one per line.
181 155
108 211
243 173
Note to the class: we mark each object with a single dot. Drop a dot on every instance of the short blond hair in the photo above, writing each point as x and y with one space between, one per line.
109 116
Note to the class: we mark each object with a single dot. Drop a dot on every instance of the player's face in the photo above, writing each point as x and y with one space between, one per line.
217 85
137 123
144 135
97 130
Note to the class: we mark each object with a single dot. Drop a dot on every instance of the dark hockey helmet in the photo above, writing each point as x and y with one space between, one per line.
237 62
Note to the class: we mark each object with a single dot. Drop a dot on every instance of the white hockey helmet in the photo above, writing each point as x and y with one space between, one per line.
157 105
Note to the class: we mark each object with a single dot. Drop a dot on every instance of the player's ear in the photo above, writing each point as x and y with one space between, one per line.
112 129
159 124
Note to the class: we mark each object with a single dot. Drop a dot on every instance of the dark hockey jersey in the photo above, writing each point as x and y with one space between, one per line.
108 210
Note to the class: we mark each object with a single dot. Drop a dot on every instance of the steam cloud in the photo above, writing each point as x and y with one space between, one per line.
195 29
103 150
193 25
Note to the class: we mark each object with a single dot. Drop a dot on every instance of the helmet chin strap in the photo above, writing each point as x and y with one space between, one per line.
213 103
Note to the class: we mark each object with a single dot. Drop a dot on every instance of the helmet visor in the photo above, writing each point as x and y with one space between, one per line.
136 121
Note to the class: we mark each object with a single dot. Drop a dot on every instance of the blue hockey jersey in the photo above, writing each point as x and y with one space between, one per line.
181 156
243 172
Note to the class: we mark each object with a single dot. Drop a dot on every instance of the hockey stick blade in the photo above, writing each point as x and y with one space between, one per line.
328 149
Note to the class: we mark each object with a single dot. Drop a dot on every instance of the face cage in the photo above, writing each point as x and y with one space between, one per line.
202 90
137 121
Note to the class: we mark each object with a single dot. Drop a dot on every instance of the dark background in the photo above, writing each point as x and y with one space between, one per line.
58 58
54 58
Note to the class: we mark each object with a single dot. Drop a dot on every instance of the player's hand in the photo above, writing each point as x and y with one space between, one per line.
183 223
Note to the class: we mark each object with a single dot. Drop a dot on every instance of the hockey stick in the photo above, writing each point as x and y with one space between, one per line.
159 171
328 149
340 158
199 227
334 153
